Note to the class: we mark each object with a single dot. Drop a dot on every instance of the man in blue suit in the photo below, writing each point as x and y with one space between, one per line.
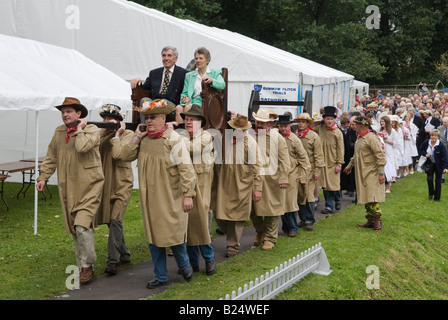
166 82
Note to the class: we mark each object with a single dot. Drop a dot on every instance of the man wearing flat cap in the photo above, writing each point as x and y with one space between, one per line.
298 176
239 182
266 214
74 152
200 145
167 187
333 149
118 183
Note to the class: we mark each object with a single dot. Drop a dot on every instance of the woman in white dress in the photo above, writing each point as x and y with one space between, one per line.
398 145
389 136
414 132
406 161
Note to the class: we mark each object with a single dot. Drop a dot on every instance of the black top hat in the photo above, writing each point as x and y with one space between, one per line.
284 119
330 111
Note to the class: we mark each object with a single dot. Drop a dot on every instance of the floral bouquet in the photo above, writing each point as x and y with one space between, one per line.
406 134
383 135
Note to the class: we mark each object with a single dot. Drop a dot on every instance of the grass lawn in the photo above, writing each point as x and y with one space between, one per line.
410 252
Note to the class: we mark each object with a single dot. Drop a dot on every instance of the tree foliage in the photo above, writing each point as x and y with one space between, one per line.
410 40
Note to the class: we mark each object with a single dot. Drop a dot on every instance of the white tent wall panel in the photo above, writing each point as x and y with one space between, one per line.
127 38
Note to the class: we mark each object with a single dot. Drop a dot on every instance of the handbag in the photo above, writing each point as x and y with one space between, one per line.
427 166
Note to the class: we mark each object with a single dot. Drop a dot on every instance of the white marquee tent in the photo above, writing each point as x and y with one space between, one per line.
35 77
127 38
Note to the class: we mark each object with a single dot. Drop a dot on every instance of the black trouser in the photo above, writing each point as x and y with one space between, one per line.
438 182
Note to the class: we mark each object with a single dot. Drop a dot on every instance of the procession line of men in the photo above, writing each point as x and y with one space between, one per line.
269 181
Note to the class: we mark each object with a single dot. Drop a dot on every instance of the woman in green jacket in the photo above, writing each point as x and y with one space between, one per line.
191 93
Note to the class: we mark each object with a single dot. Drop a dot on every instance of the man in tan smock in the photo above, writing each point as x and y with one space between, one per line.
167 187
200 145
368 161
266 214
333 149
298 176
118 183
74 152
239 182
311 143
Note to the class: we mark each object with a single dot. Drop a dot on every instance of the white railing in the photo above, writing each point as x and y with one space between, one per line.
313 260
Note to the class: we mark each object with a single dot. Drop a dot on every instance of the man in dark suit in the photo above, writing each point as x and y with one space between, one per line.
166 82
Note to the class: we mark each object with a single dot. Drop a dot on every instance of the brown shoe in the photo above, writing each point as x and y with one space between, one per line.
258 241
309 227
86 275
369 224
292 234
231 253
111 269
267 246
378 225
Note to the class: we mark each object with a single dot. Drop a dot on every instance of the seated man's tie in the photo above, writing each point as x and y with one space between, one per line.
166 82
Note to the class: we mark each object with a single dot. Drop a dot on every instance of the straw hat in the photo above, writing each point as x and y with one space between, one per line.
304 116
158 106
394 117
240 122
75 104
262 115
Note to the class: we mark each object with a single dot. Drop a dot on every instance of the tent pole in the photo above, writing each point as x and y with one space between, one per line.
36 172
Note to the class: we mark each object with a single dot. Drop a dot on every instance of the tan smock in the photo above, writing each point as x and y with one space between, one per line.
166 176
80 176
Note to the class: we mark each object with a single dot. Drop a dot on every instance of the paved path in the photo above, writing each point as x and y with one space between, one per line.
130 283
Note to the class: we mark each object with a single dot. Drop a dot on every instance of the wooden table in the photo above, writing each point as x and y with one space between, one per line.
27 168
2 179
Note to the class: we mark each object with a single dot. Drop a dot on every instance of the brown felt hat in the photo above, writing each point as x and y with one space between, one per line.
75 104
240 122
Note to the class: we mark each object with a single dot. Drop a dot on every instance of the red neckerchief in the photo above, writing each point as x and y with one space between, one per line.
67 133
302 133
158 134
333 127
364 133
286 135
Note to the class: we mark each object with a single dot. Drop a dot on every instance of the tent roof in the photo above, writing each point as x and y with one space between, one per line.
38 76
126 38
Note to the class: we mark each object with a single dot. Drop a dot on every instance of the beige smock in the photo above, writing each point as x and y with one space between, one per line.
201 153
275 151
300 168
80 177
118 177
166 176
237 177
332 142
313 147
368 162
